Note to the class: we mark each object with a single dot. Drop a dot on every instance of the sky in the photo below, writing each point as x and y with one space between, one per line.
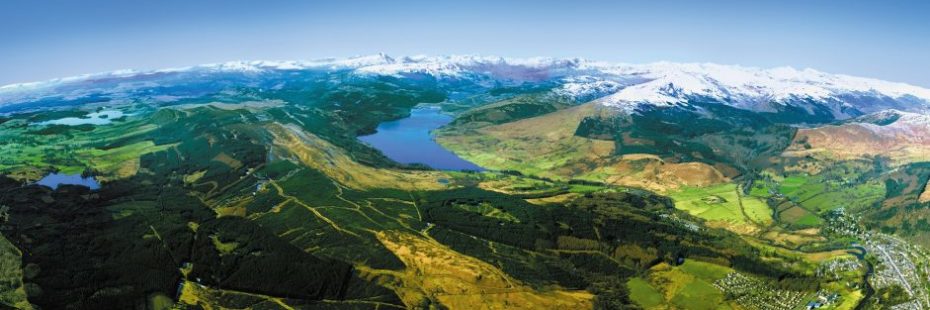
44 39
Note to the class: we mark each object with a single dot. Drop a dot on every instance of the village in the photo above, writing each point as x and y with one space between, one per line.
896 267
756 294
841 223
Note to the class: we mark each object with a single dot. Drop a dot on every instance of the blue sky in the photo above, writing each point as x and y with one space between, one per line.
42 39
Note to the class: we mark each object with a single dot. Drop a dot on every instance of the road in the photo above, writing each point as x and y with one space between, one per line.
904 283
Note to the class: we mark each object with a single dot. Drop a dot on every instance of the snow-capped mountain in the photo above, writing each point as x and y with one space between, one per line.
628 87
665 84
758 89
894 119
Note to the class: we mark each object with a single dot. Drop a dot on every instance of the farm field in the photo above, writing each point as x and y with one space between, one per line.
690 285
724 205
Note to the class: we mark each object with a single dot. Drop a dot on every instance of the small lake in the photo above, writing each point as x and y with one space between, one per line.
96 118
409 141
54 180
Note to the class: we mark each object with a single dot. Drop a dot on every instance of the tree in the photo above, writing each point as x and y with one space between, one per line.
4 214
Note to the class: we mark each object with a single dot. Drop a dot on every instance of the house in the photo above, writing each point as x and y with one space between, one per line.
826 299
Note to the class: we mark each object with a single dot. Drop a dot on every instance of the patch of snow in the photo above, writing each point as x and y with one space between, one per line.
587 87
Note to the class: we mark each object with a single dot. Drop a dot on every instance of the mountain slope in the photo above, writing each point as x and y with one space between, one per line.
244 184
900 136
625 86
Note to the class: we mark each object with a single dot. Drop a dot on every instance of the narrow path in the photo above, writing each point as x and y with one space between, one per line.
164 245
377 304
592 252
311 209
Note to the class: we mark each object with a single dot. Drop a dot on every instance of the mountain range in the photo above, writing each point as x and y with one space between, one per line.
587 184
624 86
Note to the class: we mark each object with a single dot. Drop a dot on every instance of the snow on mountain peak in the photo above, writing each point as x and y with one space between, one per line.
586 88
530 69
744 87
625 86
629 86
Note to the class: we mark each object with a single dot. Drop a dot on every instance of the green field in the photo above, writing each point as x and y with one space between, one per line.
760 190
109 150
817 194
722 203
12 292
791 184
808 220
688 286
644 294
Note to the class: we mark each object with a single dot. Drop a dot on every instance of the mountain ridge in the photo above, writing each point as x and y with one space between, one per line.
628 87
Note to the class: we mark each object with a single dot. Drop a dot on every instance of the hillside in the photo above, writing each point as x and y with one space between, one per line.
608 186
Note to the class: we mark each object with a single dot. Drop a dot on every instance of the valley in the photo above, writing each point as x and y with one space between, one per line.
372 187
